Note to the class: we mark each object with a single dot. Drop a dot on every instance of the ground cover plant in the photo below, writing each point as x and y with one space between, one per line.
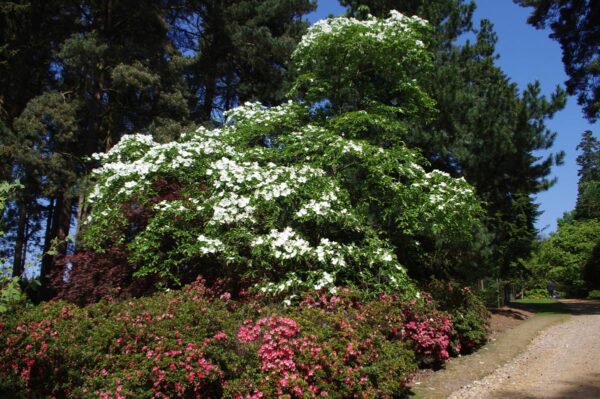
200 343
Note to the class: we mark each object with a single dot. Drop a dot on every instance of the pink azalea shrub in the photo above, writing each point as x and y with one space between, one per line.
201 343
469 314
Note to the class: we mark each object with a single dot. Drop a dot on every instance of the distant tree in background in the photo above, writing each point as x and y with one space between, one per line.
566 257
570 255
588 196
575 25
485 130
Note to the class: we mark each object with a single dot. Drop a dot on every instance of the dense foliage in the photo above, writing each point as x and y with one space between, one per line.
283 197
588 195
199 343
564 256
570 257
75 76
486 130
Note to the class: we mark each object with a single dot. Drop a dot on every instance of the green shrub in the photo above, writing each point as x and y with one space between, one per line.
594 294
11 295
536 293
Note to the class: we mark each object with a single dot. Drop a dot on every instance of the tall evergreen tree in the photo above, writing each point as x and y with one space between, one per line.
588 196
239 49
575 25
30 32
109 69
485 129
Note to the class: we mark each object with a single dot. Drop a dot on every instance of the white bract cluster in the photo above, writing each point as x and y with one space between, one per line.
254 112
286 244
323 206
378 29
210 245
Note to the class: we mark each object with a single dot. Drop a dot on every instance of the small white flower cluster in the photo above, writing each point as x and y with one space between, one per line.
290 281
330 252
321 207
165 206
352 146
385 255
326 280
257 113
317 279
377 29
286 244
232 208
446 193
258 183
128 164
135 144
267 181
210 245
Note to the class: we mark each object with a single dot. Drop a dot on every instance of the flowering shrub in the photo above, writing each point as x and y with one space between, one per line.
376 60
200 343
469 314
281 197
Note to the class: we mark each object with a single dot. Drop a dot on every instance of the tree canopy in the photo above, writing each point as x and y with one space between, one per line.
575 24
292 197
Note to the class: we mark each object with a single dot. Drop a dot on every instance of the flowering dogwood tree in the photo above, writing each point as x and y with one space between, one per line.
292 197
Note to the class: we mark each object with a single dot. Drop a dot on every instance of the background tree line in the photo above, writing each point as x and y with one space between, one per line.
77 76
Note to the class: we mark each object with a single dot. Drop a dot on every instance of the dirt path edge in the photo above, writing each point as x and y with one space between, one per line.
499 351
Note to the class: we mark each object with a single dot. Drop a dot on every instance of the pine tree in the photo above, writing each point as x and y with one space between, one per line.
588 196
106 68
30 32
239 49
575 25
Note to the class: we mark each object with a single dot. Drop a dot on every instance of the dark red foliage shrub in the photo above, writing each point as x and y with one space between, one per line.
165 191
86 277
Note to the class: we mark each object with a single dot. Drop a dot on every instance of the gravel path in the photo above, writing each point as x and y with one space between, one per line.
563 362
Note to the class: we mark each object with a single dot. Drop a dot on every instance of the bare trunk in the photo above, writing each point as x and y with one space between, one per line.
57 244
209 97
82 213
18 260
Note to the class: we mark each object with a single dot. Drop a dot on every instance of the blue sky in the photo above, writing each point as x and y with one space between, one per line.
526 55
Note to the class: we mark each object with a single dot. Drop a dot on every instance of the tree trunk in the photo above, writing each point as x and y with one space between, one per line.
209 97
18 260
82 212
57 245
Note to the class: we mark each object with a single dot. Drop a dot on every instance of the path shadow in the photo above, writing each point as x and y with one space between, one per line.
549 307
582 307
585 388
